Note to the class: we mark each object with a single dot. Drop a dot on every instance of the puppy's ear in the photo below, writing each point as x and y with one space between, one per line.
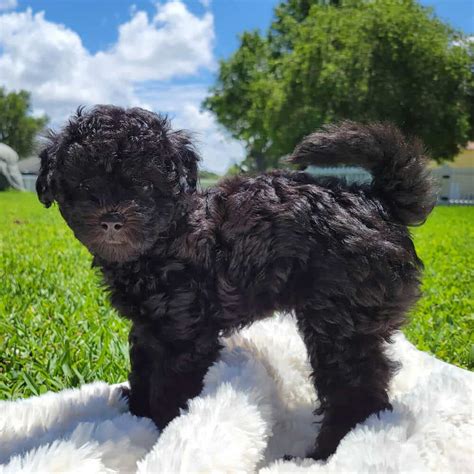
44 183
185 160
188 177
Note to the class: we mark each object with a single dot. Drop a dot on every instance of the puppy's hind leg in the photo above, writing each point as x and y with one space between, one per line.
350 372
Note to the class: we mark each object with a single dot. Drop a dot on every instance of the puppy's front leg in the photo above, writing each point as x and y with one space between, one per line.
177 377
167 372
141 362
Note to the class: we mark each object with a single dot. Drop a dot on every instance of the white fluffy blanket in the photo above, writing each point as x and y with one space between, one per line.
256 406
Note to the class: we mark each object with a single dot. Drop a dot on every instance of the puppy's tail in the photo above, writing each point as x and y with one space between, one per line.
398 165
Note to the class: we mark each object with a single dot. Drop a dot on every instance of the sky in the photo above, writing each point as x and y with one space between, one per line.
160 55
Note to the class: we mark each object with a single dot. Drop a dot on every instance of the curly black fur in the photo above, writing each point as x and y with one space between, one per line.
186 267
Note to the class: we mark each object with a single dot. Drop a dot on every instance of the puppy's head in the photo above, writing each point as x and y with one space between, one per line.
119 178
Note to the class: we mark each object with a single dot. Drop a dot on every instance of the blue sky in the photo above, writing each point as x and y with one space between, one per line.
161 56
97 21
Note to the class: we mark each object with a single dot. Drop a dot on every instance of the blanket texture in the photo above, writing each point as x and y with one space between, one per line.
256 407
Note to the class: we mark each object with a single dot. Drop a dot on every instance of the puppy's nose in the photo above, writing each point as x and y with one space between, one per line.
111 226
111 223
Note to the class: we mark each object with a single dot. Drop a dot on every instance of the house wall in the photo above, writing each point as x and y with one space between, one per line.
455 185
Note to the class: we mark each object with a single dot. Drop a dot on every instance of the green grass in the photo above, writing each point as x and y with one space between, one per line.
443 320
57 329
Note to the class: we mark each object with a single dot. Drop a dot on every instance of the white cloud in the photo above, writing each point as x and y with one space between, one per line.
219 150
182 103
8 4
50 60
173 43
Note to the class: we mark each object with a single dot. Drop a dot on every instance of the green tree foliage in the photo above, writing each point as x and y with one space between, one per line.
17 128
324 61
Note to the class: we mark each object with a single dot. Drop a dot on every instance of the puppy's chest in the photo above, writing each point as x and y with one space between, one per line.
159 288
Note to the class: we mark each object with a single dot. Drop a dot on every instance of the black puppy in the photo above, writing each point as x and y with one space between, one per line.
187 267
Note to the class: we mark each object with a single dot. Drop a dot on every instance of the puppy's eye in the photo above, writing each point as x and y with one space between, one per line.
144 186
83 186
141 185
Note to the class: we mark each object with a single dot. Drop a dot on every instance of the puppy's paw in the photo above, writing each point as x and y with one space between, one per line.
298 460
319 455
124 392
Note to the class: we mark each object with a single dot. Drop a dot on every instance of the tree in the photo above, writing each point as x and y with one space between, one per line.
17 128
324 61
242 96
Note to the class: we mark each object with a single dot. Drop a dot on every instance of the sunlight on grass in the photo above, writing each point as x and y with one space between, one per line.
57 329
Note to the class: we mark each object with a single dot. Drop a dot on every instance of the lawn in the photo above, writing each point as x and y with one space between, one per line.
57 329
